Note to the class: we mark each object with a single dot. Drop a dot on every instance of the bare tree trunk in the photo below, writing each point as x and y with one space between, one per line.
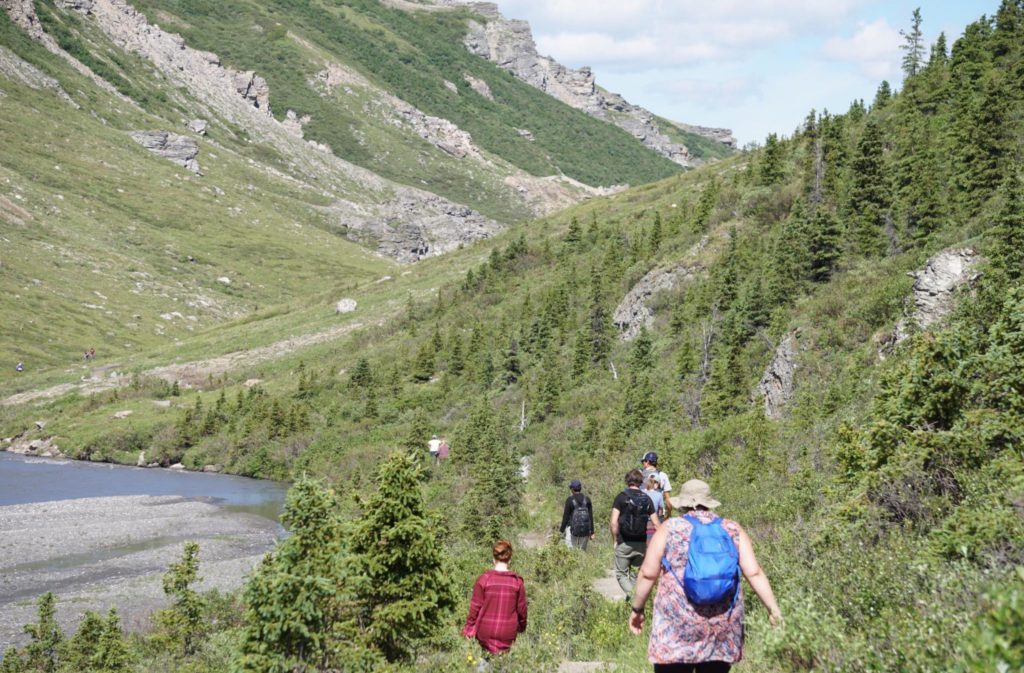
522 416
707 334
615 374
819 175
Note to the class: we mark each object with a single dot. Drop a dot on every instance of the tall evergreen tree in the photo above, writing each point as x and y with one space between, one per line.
706 206
182 624
771 172
397 566
42 653
869 194
1006 248
511 370
913 45
423 367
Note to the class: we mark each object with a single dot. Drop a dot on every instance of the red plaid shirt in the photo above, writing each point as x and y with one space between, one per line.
497 612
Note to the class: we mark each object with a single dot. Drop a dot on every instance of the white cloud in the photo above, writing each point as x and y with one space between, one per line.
623 53
874 47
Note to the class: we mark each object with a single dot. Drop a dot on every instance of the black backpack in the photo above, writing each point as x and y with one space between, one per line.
580 523
633 518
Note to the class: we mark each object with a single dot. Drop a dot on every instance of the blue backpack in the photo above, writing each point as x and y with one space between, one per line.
712 566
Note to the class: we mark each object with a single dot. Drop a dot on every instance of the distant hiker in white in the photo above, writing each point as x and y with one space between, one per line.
434 446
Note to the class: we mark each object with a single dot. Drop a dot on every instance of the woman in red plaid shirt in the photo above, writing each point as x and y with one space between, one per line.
497 612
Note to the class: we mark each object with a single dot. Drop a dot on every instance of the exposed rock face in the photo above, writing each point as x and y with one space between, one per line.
509 43
83 6
253 89
479 86
933 296
198 126
179 149
776 384
414 226
45 448
294 123
633 313
12 66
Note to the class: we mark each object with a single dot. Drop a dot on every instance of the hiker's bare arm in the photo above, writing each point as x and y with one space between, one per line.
647 577
614 527
758 580
668 503
655 520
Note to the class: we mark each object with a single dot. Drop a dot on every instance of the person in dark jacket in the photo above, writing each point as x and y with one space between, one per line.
578 516
497 611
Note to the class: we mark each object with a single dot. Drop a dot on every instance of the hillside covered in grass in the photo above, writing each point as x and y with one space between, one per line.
884 493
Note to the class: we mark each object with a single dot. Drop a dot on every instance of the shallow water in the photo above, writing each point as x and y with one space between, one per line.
25 480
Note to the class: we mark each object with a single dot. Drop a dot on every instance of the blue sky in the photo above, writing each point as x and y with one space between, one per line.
755 66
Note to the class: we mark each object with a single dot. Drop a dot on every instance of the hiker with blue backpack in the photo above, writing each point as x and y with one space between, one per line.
697 623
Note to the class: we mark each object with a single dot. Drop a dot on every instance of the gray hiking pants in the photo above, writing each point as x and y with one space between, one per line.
580 542
628 555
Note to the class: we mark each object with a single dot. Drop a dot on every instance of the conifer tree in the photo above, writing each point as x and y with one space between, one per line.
642 356
600 326
913 45
511 370
638 408
80 650
491 505
361 376
575 234
549 388
423 368
654 239
299 614
706 206
182 623
882 96
824 246
112 654
43 650
456 360
869 194
398 570
771 161
581 356
1007 242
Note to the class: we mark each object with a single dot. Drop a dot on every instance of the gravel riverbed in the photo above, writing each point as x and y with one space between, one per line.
97 553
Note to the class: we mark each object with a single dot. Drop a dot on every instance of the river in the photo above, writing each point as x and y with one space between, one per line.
101 535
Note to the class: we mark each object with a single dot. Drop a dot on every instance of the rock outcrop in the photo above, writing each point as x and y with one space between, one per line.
509 43
933 296
198 126
633 312
13 67
776 384
413 226
179 149
345 306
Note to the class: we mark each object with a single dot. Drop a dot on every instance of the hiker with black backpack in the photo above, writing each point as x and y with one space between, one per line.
578 517
697 624
631 511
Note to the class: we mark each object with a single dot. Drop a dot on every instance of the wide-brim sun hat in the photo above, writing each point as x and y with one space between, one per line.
694 493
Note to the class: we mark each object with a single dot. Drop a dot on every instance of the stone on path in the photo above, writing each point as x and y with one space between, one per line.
582 667
609 587
534 540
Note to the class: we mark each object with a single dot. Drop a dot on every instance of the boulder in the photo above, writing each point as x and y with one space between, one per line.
163 404
933 295
776 384
122 414
179 149
224 280
213 468
176 466
141 462
345 306
198 126
40 425
633 313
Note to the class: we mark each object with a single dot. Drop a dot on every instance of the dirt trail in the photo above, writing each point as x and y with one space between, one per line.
188 373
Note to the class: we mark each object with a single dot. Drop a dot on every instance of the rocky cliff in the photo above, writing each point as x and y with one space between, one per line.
509 43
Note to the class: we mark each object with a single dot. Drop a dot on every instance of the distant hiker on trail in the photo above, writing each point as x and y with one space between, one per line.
652 489
442 449
20 367
578 517
698 616
630 513
92 353
497 611
434 446
649 461
87 355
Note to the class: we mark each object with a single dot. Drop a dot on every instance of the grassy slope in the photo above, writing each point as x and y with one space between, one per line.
412 53
106 251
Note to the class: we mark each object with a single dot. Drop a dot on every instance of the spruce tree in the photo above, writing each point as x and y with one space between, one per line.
491 505
112 654
456 360
299 612
182 625
549 388
869 195
1006 247
654 239
398 570
642 357
581 356
705 206
771 172
423 368
600 325
511 370
575 234
913 45
43 650
824 248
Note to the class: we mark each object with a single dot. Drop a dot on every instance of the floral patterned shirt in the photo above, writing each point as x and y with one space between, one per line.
688 634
